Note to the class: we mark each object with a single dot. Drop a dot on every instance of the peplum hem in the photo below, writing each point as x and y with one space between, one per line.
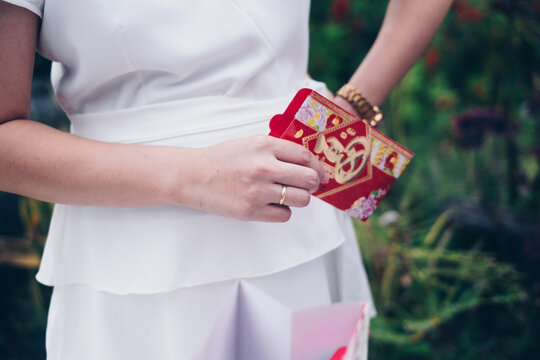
120 287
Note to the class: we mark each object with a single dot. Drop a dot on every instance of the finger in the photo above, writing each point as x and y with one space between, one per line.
293 196
273 213
297 154
296 175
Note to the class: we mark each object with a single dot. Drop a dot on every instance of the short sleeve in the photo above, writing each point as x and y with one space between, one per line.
35 6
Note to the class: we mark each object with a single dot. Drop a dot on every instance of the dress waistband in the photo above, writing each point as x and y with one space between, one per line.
178 118
171 119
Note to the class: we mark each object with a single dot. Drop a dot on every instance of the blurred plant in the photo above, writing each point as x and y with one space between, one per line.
453 252
23 229
340 9
472 126
464 12
424 291
432 59
23 303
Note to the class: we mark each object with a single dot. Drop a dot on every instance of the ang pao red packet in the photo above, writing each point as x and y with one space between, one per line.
362 162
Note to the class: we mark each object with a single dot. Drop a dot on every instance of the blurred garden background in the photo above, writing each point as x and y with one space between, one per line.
453 252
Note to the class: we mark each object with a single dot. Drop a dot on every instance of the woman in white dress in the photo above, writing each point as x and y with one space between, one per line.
167 215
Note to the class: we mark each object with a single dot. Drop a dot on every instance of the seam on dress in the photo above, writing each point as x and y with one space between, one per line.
124 46
246 12
121 28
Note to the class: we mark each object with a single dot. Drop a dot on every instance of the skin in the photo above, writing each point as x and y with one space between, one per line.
242 178
406 31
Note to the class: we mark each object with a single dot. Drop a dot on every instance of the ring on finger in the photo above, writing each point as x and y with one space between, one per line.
283 194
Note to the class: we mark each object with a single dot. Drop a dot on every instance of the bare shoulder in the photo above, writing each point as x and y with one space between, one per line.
18 36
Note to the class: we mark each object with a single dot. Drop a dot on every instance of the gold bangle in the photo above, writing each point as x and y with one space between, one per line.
370 114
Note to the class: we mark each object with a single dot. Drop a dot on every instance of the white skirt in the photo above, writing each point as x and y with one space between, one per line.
200 322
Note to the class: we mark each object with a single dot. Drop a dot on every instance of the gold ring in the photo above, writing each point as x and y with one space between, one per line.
283 194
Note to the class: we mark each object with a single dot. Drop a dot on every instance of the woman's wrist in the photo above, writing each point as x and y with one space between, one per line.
346 105
354 100
180 176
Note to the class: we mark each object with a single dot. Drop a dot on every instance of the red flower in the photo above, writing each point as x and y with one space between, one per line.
467 13
461 7
473 15
432 59
340 9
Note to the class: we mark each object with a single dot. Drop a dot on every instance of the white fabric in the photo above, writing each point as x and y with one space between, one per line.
89 324
35 6
240 319
113 55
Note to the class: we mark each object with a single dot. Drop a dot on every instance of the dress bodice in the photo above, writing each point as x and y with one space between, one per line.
112 55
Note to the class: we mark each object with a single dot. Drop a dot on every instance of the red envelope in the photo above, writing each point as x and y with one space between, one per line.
362 162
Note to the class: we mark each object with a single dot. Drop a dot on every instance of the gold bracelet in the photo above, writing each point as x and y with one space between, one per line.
369 113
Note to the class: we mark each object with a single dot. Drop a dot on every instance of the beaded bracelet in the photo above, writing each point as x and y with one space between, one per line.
369 113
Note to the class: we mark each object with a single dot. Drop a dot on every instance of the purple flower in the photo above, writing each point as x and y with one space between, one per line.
471 126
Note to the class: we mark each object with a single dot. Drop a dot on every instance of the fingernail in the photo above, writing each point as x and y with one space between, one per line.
326 178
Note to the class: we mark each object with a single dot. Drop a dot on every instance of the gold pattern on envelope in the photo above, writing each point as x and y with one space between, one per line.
344 164
348 161
388 158
397 147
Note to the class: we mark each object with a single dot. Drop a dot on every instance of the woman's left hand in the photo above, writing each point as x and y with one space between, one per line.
343 103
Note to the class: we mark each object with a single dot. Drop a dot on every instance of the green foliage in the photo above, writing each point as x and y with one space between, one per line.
453 251
23 302
427 292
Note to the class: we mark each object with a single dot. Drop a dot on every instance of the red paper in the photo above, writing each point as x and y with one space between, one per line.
362 162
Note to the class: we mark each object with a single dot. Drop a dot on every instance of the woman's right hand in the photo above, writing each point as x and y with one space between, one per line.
243 178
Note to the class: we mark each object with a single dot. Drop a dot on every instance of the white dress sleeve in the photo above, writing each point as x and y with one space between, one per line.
35 6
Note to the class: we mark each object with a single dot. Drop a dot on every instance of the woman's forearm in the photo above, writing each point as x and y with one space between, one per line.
242 178
407 29
50 165
239 178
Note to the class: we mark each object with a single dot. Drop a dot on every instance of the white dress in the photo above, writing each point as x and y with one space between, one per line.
154 282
